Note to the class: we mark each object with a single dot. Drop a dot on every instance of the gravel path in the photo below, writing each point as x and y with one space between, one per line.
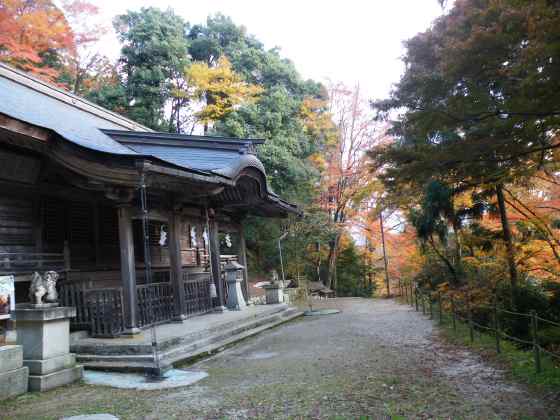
376 358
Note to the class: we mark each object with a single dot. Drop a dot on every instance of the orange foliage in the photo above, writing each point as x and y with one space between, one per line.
30 29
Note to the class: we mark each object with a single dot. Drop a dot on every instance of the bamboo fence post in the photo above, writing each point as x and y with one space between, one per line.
536 348
497 328
471 328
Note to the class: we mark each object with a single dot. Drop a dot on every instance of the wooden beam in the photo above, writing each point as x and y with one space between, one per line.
23 128
242 258
128 268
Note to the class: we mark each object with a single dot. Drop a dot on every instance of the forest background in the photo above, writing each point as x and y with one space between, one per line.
455 171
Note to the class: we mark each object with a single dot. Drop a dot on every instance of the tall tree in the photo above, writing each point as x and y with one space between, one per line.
479 95
154 54
346 181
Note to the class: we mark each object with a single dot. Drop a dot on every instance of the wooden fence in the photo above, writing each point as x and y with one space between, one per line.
489 318
155 303
105 307
197 294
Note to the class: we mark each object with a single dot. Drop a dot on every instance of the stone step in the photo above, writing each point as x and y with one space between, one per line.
227 340
165 344
224 334
183 352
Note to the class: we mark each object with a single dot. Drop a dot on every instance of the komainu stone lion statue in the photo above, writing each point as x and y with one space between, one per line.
43 288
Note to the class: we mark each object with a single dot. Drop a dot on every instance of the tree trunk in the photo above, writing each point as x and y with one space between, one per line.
384 254
333 254
507 238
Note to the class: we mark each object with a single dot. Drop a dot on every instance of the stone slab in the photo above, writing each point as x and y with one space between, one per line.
28 313
50 365
11 358
13 383
67 376
173 378
102 416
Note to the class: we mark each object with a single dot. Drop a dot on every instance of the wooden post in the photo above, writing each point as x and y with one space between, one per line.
242 257
405 293
411 295
96 233
214 249
422 298
440 308
431 306
497 328
453 313
416 298
536 349
176 265
128 269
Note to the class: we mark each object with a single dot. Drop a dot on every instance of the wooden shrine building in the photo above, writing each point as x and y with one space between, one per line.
71 176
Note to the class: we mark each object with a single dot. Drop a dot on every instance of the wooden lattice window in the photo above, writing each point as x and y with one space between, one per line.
81 223
54 220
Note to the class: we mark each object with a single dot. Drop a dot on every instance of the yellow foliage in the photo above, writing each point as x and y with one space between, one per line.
220 87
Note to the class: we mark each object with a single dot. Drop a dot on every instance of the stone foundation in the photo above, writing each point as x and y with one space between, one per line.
44 334
13 375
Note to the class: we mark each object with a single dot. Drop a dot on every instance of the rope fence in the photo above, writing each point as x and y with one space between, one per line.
490 318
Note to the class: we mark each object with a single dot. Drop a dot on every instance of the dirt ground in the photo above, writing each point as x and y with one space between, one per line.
376 358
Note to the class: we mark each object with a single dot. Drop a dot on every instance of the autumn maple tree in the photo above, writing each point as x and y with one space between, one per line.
34 35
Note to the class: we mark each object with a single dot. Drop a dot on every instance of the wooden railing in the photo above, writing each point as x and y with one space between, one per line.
72 293
155 303
197 294
24 262
105 307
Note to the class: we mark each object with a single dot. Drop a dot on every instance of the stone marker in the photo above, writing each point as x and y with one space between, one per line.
274 293
234 278
44 334
13 375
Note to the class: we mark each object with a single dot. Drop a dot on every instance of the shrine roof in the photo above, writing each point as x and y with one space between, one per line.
90 126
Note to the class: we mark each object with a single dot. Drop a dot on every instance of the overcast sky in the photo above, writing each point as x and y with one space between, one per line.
353 41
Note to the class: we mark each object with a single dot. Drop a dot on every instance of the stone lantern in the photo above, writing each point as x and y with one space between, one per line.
234 278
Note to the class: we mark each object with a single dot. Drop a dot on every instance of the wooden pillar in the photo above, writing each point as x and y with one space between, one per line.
242 257
128 269
214 245
176 264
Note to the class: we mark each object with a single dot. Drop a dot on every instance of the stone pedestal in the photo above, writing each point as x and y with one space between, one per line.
274 294
13 375
234 278
44 334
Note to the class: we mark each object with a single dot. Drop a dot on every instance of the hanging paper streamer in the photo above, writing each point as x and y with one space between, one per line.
162 236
